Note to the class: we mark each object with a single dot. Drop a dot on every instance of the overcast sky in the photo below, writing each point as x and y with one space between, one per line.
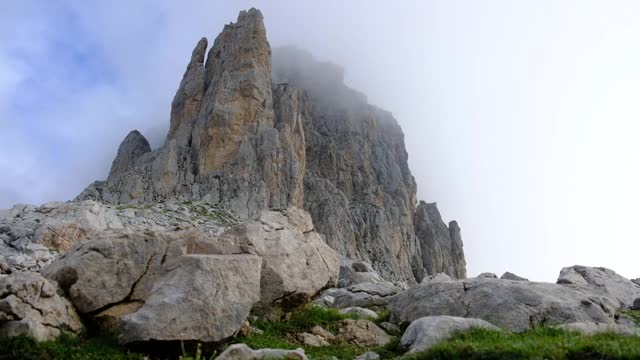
521 118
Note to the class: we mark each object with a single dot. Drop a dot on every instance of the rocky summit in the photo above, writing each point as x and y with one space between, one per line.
280 212
252 129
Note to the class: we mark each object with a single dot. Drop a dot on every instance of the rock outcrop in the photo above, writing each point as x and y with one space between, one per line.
248 136
603 281
31 305
195 284
513 305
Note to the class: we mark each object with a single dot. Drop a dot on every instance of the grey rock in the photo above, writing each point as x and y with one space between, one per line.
360 312
369 355
441 245
592 328
243 352
511 276
487 275
514 305
31 305
318 330
426 332
313 340
636 304
602 280
201 297
248 135
134 282
362 333
364 295
132 147
636 281
390 328
362 266
439 277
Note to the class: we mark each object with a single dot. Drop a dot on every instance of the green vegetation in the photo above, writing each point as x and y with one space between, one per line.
542 343
25 348
634 315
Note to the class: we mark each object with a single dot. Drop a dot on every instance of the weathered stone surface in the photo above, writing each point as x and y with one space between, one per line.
33 306
439 277
514 305
487 275
249 136
603 280
592 328
441 245
320 331
123 277
366 295
352 273
159 286
636 281
233 138
390 328
298 264
362 333
201 297
369 355
132 147
360 312
314 340
511 276
243 352
425 332
33 236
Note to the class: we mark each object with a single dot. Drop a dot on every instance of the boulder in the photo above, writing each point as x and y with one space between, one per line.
159 285
366 295
297 263
488 275
360 312
313 340
369 355
425 332
362 333
390 328
592 328
243 352
439 277
513 305
31 305
511 276
602 280
636 304
320 331
205 298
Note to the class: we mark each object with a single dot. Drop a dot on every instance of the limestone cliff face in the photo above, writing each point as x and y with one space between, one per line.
225 143
248 136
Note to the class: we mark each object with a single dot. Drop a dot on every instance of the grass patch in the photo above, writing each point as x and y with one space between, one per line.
25 348
634 315
541 343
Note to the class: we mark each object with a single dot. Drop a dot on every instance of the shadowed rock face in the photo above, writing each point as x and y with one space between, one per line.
248 136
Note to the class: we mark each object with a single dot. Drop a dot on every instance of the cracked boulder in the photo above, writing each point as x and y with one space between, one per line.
31 305
195 284
149 285
513 305
365 295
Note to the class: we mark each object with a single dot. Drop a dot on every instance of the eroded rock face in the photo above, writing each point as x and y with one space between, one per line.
362 333
248 136
513 305
31 305
602 280
230 141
